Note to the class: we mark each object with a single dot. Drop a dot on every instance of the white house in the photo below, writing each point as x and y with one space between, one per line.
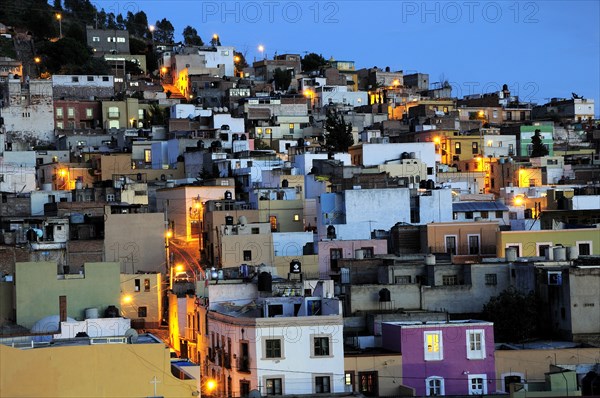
276 345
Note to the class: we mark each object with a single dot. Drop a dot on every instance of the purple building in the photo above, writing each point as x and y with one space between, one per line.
444 358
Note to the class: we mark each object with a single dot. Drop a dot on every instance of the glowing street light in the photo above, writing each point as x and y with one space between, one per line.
261 49
59 18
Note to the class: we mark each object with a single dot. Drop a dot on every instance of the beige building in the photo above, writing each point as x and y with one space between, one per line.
530 364
466 240
124 114
374 373
141 299
184 206
283 215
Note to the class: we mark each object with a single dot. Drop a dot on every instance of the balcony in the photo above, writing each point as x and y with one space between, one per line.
243 364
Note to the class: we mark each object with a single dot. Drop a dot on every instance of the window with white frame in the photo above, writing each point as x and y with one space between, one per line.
541 247
433 347
434 386
477 384
476 344
516 246
59 112
585 247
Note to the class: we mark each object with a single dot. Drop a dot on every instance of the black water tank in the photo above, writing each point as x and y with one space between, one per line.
111 312
235 137
228 220
200 144
405 155
430 184
228 195
423 184
295 266
384 296
265 282
331 232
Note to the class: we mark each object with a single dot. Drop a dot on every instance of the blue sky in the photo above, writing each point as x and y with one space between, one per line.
541 49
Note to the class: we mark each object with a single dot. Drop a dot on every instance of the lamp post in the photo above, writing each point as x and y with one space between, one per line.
151 28
261 49
59 17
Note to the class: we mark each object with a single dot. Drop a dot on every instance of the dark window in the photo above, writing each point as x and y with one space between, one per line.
321 346
244 388
449 280
368 383
584 249
469 215
247 255
491 279
273 387
142 312
368 252
137 285
484 214
273 348
322 384
429 170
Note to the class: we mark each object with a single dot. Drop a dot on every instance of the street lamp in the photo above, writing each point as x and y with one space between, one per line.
261 49
59 17
151 28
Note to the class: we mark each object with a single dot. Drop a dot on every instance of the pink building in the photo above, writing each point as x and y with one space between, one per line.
444 358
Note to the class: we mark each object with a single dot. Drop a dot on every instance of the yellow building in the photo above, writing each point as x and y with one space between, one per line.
533 243
142 369
141 299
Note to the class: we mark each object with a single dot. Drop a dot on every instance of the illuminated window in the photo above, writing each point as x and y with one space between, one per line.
70 112
433 346
457 148
89 113
146 285
273 222
59 112
147 155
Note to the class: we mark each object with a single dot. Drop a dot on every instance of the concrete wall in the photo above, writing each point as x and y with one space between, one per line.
136 241
366 297
132 298
388 367
527 240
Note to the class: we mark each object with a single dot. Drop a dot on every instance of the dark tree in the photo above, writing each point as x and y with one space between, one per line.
282 79
240 60
137 46
538 149
164 31
338 133
312 61
157 115
76 32
515 316
191 37
57 5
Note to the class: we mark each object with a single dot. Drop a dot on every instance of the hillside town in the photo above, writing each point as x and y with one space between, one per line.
193 223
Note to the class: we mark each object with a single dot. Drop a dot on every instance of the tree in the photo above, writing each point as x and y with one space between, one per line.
312 61
515 315
282 79
338 133
164 31
191 37
538 149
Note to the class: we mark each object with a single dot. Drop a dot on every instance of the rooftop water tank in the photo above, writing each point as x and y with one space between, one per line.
265 282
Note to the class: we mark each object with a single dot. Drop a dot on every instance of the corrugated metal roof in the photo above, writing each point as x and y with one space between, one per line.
478 206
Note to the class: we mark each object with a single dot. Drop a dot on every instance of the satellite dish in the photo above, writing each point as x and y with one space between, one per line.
132 336
254 394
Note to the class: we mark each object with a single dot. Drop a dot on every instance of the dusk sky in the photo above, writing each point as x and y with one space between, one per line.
541 49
